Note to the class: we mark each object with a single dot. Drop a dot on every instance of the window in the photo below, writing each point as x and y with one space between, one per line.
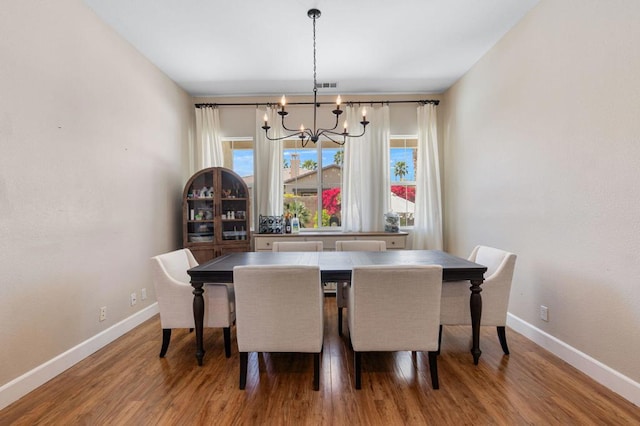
307 172
404 157
317 169
238 156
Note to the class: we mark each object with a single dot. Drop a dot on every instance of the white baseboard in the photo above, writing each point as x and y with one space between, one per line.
29 381
593 368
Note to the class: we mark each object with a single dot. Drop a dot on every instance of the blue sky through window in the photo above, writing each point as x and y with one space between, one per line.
243 160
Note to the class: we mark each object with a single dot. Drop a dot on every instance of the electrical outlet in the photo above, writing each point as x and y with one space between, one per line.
103 313
143 294
134 298
544 313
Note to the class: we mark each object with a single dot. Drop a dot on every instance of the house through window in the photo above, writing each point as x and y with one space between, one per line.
312 177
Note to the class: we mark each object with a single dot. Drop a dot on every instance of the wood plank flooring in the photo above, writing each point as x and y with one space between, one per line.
126 383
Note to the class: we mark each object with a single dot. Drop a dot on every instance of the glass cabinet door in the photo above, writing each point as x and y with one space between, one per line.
233 207
201 209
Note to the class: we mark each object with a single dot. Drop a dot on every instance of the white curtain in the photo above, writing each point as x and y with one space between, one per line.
427 229
208 149
366 169
268 165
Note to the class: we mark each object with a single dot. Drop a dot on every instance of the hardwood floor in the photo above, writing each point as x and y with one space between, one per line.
126 383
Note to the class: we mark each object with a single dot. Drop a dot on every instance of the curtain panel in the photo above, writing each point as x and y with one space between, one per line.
427 229
365 175
268 181
208 147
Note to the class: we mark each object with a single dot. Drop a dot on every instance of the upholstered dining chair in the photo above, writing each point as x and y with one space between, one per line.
279 308
297 246
496 288
395 308
175 298
341 288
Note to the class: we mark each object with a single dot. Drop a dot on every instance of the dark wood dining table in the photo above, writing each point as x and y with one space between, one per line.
337 267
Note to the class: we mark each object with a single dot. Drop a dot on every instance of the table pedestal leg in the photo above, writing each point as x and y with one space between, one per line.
475 304
198 316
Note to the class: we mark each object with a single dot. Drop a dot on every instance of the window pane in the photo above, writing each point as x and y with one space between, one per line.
238 156
303 183
403 155
300 176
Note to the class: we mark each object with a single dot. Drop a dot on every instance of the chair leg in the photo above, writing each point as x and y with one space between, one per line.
244 360
226 331
433 367
439 339
339 321
166 338
316 371
357 358
502 336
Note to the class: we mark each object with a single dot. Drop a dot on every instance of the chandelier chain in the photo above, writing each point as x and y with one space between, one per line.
315 83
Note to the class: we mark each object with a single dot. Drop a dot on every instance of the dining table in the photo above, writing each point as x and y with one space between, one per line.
337 267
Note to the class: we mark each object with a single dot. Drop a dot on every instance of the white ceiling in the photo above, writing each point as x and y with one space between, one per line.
252 47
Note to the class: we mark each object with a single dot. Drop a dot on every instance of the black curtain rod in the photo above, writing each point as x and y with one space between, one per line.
257 104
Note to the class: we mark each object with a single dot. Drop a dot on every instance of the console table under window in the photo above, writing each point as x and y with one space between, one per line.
394 240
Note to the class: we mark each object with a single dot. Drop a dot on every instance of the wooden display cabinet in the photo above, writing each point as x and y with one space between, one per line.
216 214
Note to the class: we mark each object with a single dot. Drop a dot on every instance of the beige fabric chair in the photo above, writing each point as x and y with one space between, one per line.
395 308
342 288
175 298
279 308
297 246
495 293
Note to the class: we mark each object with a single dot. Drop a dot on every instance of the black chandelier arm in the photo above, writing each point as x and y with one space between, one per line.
333 140
289 136
348 135
282 116
284 126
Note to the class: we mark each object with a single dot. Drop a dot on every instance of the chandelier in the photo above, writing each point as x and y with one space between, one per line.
314 134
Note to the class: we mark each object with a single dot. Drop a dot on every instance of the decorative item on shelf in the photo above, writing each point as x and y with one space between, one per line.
295 224
287 223
270 224
315 133
391 222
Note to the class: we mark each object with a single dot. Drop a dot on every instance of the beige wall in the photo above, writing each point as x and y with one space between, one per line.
542 158
92 163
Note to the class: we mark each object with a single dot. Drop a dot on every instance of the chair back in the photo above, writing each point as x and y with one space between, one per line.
175 264
395 308
173 288
297 246
361 245
496 287
279 308
497 261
